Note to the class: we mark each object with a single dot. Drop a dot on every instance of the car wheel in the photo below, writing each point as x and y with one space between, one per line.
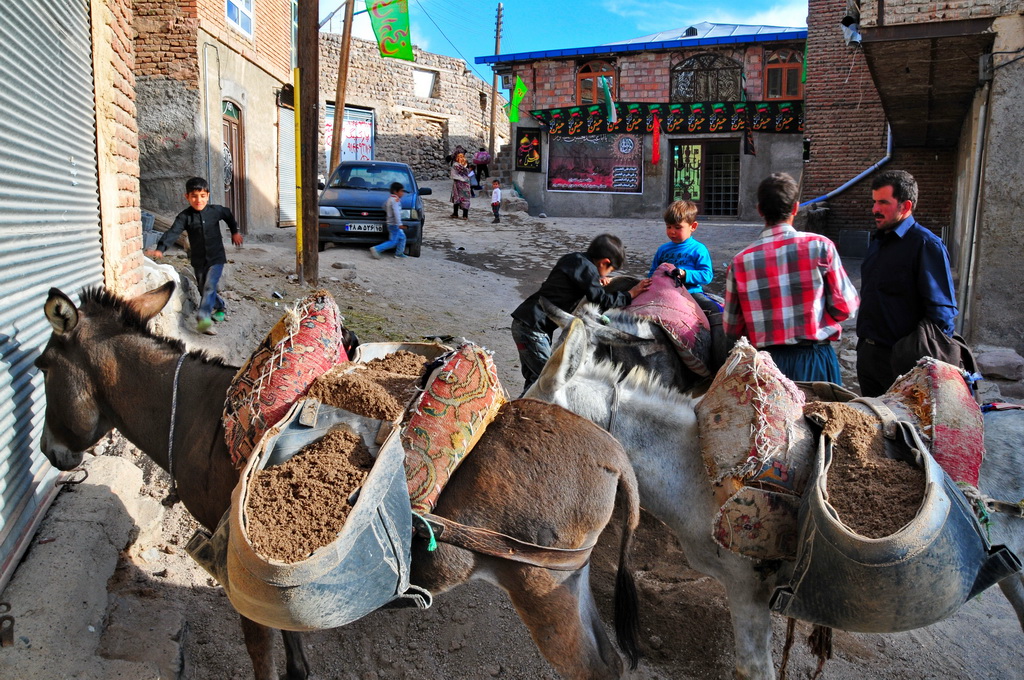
414 248
321 245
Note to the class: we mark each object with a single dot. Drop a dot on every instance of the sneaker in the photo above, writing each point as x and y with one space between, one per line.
374 254
398 255
204 324
495 221
219 315
210 331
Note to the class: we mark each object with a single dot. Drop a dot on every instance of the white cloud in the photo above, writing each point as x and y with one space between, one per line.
651 17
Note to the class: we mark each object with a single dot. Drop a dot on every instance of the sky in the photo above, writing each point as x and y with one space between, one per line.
465 28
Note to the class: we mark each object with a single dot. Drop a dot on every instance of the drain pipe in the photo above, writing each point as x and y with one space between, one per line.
965 319
844 187
206 105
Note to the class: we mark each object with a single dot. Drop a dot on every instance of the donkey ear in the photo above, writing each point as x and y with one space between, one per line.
149 304
60 312
556 314
566 360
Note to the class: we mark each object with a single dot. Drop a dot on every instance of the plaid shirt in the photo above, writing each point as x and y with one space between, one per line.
786 287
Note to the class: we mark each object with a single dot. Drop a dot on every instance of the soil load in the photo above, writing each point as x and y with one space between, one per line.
299 506
380 388
875 495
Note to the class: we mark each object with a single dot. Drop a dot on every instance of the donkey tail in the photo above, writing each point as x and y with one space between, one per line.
626 601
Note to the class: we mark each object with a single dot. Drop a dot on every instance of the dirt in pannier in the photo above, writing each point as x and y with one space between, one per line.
402 362
875 496
301 505
380 388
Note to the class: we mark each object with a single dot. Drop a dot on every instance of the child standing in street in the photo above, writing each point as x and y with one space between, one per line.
576 276
201 221
396 230
690 256
495 200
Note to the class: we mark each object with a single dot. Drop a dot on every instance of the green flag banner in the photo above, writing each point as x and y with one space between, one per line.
390 21
518 92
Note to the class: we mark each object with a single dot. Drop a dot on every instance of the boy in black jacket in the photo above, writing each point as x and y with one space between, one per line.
575 276
202 224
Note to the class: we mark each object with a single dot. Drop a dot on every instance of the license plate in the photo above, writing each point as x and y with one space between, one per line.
363 226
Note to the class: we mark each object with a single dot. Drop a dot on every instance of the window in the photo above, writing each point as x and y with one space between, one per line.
424 84
588 82
239 14
782 72
707 77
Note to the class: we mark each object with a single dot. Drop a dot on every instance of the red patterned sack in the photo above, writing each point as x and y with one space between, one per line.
448 418
304 344
675 310
934 396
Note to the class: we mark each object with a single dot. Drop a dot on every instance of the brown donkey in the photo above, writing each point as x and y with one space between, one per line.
539 474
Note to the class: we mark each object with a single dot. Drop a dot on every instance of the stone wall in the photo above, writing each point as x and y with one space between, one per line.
416 130
117 144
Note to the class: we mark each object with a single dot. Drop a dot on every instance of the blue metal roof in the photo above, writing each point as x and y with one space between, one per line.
707 34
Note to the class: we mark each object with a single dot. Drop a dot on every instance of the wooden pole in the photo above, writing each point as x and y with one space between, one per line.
307 111
494 85
339 92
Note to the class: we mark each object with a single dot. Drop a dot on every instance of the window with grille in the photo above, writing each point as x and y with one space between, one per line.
239 14
707 77
782 73
588 82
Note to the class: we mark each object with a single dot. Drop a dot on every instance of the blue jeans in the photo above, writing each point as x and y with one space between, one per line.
396 240
534 347
807 363
209 281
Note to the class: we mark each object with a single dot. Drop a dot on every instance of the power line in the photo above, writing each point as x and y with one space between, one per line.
457 50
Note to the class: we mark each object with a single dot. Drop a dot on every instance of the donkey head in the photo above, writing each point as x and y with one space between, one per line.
74 362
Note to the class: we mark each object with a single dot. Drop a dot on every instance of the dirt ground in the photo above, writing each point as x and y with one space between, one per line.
470 277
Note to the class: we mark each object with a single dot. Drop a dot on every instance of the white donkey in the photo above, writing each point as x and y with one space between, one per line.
658 428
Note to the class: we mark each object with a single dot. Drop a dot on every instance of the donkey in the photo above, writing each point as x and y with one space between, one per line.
658 427
103 369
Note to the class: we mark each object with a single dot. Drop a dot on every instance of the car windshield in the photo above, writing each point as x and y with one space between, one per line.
369 178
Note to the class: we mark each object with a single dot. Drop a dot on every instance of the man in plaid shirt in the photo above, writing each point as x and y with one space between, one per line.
787 292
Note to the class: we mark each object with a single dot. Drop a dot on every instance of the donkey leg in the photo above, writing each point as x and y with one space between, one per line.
297 665
563 621
258 642
751 628
1013 589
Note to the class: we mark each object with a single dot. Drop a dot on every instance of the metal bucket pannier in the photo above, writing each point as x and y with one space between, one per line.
365 567
913 578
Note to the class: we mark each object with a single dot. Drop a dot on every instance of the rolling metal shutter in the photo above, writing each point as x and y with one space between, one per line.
49 231
287 212
357 142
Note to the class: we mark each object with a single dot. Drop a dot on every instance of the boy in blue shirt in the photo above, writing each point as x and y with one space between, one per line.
690 256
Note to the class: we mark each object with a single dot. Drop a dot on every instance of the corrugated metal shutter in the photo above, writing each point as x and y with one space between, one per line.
49 231
287 212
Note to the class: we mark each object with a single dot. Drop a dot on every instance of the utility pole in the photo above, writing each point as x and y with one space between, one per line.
307 112
339 92
494 83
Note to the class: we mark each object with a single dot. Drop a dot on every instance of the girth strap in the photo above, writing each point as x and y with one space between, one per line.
495 544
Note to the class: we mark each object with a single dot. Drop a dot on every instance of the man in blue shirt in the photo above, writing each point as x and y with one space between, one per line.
905 277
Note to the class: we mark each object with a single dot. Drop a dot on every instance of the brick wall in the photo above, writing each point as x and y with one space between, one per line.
165 43
641 76
845 124
270 45
917 11
117 145
411 129
843 119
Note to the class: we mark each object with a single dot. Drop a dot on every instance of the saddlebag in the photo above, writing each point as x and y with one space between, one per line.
364 568
919 575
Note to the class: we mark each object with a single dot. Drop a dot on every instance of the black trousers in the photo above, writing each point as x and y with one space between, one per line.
874 368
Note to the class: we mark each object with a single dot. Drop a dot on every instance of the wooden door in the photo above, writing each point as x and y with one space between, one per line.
234 162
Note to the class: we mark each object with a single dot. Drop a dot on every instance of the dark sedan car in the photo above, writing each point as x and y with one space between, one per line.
352 204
